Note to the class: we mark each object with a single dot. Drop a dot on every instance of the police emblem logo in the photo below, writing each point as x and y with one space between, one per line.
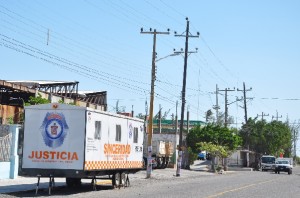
54 129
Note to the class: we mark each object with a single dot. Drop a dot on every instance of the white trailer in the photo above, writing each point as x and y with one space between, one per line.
75 142
163 146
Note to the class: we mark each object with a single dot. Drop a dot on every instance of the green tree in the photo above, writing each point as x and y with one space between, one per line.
216 139
37 100
209 116
267 138
220 119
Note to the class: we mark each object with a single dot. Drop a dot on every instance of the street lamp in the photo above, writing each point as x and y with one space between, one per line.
174 54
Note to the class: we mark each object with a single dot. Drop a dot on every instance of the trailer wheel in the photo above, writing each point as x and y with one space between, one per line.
167 162
73 182
159 162
117 180
123 179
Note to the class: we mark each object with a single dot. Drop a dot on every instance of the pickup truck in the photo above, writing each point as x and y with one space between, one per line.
284 166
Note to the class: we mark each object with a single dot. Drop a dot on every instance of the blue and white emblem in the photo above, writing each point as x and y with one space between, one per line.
130 130
54 129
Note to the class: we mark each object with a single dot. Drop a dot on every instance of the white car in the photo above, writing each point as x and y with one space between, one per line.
284 166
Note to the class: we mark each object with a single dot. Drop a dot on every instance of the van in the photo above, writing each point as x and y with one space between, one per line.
267 162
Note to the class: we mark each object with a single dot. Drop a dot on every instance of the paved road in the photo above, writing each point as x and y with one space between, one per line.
191 184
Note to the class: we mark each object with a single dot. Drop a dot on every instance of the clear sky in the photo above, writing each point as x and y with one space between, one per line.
99 44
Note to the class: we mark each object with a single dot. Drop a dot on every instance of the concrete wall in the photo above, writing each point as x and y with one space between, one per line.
4 170
10 169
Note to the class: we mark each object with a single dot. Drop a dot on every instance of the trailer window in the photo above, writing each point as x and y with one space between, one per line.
135 135
118 132
97 134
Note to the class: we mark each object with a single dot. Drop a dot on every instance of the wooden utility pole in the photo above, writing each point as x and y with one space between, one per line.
246 121
226 105
150 128
176 132
159 119
188 119
217 107
244 90
262 115
187 35
276 116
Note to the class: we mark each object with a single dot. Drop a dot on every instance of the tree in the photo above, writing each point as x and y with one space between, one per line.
140 116
209 116
220 120
37 100
219 140
294 128
214 150
267 138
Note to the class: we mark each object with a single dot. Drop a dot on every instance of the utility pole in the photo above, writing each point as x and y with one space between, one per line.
187 35
245 100
226 104
188 119
276 116
262 115
217 107
176 131
246 120
159 119
146 119
132 112
150 128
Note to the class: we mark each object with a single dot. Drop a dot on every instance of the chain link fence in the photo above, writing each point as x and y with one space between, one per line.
5 143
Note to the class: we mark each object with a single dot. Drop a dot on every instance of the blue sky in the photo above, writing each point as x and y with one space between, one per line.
99 44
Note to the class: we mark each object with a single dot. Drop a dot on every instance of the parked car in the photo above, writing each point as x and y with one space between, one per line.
202 155
284 166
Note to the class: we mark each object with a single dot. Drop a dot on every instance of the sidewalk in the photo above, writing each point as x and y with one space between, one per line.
26 183
29 183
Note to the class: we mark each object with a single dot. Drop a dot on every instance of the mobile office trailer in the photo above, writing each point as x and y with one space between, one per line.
162 149
75 142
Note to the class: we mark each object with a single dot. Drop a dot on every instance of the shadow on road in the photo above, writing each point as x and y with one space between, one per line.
60 191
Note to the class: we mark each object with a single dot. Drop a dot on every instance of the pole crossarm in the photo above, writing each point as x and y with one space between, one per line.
262 115
244 90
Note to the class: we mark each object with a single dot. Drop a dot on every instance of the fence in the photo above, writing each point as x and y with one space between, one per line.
5 143
9 159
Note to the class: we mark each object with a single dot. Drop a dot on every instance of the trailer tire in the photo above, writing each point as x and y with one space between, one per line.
73 182
117 180
159 162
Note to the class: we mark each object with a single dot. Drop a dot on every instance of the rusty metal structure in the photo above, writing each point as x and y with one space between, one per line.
14 95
